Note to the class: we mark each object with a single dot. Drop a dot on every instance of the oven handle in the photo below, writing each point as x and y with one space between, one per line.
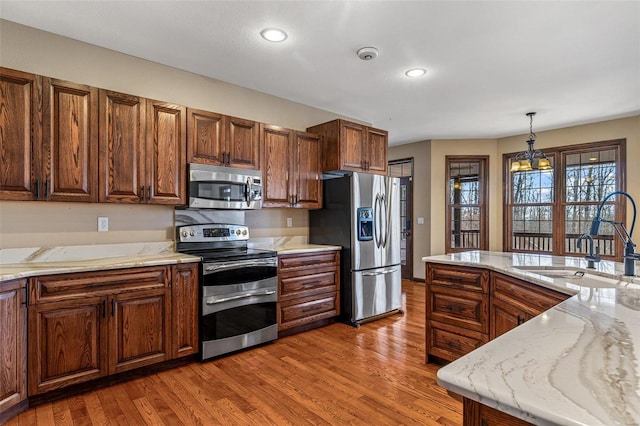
240 264
242 296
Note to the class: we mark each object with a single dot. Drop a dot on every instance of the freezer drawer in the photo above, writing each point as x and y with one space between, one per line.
375 292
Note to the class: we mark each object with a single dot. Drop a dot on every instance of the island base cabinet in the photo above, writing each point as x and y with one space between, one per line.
476 414
13 348
449 343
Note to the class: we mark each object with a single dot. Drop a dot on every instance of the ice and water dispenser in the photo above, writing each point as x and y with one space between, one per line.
365 224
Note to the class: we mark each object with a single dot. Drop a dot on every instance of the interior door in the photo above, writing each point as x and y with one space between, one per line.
406 242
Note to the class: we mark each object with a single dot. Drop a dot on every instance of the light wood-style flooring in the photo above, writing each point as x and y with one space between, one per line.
336 375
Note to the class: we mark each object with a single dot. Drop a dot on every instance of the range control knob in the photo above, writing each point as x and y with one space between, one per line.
192 233
244 232
185 233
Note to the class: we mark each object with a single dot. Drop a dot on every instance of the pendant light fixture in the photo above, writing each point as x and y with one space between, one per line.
531 159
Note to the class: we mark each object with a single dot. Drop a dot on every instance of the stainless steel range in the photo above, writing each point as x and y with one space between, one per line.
238 287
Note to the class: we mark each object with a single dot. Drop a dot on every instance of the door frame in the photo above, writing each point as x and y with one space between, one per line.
407 270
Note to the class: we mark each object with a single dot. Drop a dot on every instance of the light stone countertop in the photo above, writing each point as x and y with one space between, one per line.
575 364
290 245
29 262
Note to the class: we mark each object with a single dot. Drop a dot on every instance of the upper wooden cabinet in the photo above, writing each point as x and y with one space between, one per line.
351 146
291 168
220 140
70 141
142 150
20 134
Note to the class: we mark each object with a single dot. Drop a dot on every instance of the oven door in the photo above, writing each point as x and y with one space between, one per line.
238 305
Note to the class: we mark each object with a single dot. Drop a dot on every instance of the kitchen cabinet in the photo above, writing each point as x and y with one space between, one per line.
142 150
84 326
21 129
184 309
220 140
477 414
50 139
352 146
457 310
70 141
291 168
308 290
514 302
13 348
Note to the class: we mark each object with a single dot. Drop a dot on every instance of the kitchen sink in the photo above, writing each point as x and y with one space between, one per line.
575 276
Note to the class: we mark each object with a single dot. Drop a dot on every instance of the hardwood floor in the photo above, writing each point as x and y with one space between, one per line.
372 375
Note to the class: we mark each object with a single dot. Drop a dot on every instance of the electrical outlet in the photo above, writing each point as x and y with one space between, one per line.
103 224
421 221
289 222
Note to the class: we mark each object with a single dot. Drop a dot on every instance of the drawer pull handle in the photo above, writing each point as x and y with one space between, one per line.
454 345
520 320
311 309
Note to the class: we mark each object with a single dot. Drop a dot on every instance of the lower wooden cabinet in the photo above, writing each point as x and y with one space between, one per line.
185 303
513 302
13 348
308 289
88 325
476 414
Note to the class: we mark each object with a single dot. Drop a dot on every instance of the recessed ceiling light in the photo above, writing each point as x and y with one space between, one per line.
273 34
416 72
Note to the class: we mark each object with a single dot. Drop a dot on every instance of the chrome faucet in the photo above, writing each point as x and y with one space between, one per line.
591 257
630 255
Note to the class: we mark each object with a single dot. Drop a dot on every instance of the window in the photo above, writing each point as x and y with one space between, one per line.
466 198
547 210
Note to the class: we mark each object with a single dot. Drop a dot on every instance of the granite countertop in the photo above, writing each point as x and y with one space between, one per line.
29 262
576 364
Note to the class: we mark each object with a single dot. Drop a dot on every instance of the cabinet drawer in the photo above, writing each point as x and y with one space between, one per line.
306 310
306 283
469 279
306 260
528 297
53 288
457 307
450 343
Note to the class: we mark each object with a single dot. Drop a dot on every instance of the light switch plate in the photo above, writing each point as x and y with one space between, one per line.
103 224
289 222
421 221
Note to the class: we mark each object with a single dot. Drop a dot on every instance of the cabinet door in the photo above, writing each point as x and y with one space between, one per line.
139 329
13 345
184 310
166 153
275 169
243 143
122 138
70 135
206 143
307 167
352 139
504 317
377 150
20 127
66 343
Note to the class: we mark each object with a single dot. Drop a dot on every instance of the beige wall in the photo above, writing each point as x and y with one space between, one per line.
33 224
422 237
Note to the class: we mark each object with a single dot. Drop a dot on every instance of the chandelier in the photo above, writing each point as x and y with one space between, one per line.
531 159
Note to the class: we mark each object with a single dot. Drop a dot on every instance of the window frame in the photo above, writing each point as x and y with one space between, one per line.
483 200
559 155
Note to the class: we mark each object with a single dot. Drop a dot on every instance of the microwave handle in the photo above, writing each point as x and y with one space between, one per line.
247 192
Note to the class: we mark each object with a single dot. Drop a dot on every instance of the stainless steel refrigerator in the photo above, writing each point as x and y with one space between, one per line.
362 214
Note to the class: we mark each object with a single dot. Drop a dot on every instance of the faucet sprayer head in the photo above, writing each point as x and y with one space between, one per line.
595 226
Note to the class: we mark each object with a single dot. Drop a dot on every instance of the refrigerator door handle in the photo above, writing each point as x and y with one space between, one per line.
376 221
385 213
383 272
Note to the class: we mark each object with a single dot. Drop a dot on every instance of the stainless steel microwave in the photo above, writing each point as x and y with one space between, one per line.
213 187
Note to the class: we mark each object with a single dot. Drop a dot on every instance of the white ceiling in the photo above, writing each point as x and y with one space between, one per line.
488 62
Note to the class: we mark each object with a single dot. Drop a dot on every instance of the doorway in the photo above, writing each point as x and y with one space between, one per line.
403 169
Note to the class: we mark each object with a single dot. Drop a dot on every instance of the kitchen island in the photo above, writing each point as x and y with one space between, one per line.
576 364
